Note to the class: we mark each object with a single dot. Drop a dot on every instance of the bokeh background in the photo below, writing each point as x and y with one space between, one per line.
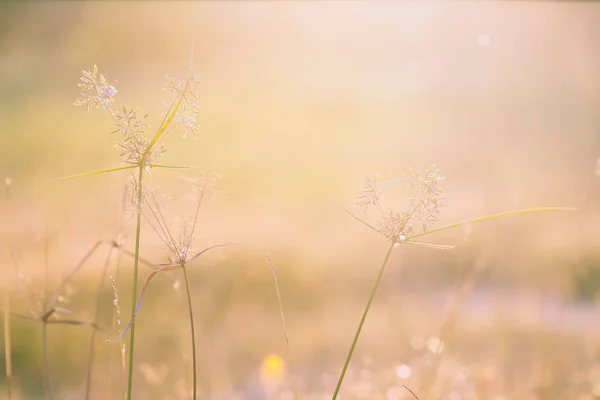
301 101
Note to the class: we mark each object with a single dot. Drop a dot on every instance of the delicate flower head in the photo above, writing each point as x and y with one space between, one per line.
424 204
179 248
205 182
370 195
134 141
395 226
427 196
185 116
95 89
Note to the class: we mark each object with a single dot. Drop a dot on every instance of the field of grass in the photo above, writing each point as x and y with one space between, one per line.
299 200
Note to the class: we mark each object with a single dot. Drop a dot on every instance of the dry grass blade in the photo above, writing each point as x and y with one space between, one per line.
52 303
287 341
96 318
138 305
163 268
360 220
46 318
411 392
210 248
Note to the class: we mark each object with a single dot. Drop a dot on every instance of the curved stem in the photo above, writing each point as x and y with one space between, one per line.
136 259
362 321
189 299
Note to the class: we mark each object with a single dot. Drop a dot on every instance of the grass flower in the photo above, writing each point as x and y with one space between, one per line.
96 90
138 152
181 253
397 227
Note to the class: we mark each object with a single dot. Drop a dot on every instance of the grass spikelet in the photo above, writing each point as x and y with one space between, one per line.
123 352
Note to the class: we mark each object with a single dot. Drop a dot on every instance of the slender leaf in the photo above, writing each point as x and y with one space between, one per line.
489 217
140 298
98 172
167 120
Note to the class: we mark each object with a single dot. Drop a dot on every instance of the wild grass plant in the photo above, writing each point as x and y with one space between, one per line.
51 309
142 155
401 226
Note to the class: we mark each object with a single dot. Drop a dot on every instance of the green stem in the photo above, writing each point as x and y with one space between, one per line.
7 343
50 392
135 279
7 338
45 320
189 299
362 321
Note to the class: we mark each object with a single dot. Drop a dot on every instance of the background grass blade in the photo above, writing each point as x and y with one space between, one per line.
287 340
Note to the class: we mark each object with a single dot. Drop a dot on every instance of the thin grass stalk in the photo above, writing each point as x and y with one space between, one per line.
362 320
7 343
7 337
411 392
188 244
46 265
45 326
88 386
287 341
136 259
116 316
49 391
430 377
189 299
50 305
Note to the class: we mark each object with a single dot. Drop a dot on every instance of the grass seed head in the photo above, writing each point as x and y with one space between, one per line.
96 90
424 203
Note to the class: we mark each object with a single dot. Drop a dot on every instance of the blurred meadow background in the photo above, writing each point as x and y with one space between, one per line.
300 101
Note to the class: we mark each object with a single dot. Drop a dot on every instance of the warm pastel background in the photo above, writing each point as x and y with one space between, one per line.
301 101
